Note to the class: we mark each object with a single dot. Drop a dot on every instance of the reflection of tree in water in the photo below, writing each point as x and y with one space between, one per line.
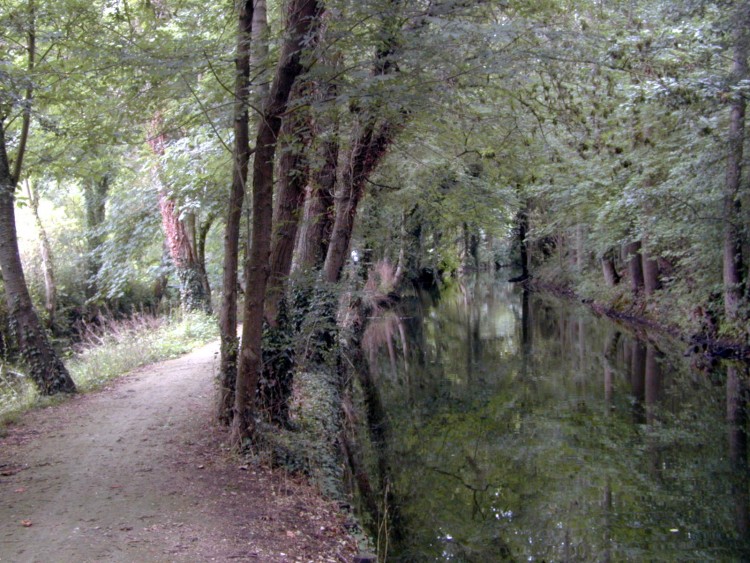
526 428
387 331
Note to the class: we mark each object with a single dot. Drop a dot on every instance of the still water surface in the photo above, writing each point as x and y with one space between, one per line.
524 428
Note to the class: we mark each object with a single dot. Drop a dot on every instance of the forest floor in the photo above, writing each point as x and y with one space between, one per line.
137 472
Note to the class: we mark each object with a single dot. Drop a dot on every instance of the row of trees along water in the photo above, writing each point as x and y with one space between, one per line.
145 143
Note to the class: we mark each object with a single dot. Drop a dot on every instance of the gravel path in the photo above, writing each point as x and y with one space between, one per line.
136 472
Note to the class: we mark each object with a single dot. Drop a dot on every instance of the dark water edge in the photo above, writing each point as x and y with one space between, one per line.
523 427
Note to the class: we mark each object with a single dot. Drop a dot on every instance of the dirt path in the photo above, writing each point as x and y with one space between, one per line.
136 472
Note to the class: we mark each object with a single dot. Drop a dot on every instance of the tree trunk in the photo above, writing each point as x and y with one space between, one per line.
317 223
46 369
303 15
732 247
293 174
651 281
179 240
182 252
200 253
370 142
632 252
95 200
368 150
611 277
45 250
228 316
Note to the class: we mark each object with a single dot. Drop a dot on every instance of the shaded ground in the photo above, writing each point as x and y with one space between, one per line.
136 472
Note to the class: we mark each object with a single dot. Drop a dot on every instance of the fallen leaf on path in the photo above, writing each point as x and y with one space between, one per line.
26 523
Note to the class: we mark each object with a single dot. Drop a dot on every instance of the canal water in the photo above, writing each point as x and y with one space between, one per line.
525 428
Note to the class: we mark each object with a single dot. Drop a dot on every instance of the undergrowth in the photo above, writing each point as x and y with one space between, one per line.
112 348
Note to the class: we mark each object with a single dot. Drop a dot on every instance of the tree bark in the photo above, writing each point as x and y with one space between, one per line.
317 223
183 254
371 139
228 316
179 240
732 245
293 175
651 281
632 252
302 16
368 149
46 369
202 231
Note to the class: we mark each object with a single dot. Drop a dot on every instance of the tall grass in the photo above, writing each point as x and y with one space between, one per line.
112 348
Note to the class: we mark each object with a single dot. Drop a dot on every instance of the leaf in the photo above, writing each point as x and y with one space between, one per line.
26 523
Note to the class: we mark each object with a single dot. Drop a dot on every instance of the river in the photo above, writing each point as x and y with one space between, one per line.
524 428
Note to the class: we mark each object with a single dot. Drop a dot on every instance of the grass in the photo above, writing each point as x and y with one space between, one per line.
110 349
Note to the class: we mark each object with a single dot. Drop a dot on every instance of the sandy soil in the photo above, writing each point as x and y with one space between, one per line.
137 472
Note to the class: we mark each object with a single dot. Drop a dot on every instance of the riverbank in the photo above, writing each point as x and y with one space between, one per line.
638 316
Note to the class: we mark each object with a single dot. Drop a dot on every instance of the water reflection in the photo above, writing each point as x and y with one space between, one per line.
522 427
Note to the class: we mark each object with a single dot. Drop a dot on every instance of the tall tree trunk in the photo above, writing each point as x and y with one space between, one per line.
651 281
95 200
293 174
632 252
732 247
45 250
182 252
302 17
197 232
371 139
228 316
202 231
368 149
180 241
317 223
46 369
